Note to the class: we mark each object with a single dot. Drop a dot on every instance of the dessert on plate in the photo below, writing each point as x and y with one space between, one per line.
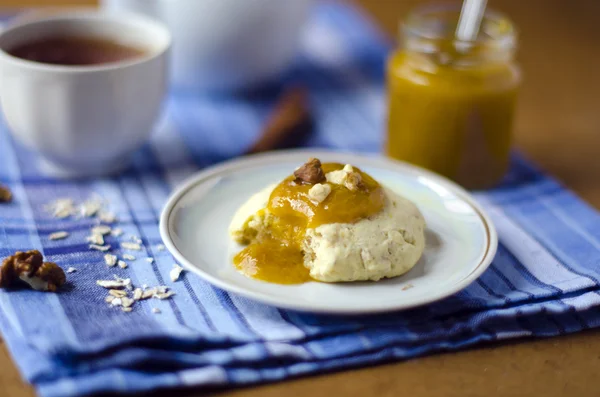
327 222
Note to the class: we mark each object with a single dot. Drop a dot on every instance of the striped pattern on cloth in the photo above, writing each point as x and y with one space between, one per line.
543 282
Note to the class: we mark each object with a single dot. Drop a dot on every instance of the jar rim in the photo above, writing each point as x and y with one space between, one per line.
418 23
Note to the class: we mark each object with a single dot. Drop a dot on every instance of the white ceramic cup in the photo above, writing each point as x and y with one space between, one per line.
84 120
221 45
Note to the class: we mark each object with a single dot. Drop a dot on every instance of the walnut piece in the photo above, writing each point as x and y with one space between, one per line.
29 267
5 194
347 177
310 172
319 192
353 181
20 263
52 275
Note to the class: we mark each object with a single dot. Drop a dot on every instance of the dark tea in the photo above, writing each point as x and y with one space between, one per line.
75 51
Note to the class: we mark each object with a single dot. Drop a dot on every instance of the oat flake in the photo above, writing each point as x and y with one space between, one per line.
111 284
129 257
58 235
118 293
131 246
97 247
122 264
164 295
102 230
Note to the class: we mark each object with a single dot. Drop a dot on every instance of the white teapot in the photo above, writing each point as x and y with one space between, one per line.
226 44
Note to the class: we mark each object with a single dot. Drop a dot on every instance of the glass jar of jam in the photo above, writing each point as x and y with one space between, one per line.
451 103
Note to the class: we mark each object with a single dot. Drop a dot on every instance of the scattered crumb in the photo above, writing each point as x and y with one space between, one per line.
127 302
90 207
407 286
61 208
58 235
116 302
126 282
128 257
162 289
175 272
118 293
136 239
160 247
155 310
110 259
102 230
150 260
131 246
149 293
319 192
126 309
122 264
107 217
71 270
95 238
116 232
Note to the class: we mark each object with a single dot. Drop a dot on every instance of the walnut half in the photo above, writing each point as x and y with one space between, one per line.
5 194
29 267
310 172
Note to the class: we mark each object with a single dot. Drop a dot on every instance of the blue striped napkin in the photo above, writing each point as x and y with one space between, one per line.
543 282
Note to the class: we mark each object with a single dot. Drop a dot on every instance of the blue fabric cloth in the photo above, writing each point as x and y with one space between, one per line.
543 282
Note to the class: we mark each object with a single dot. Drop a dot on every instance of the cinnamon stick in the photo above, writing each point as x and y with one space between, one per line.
289 124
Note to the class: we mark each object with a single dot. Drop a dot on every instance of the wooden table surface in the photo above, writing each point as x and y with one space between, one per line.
558 126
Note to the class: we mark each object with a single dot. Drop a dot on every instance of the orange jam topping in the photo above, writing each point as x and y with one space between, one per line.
276 255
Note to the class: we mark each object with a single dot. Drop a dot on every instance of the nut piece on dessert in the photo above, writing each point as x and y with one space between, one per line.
353 181
319 192
310 172
5 194
29 268
347 177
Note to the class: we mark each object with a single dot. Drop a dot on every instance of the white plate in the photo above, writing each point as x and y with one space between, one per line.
461 240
